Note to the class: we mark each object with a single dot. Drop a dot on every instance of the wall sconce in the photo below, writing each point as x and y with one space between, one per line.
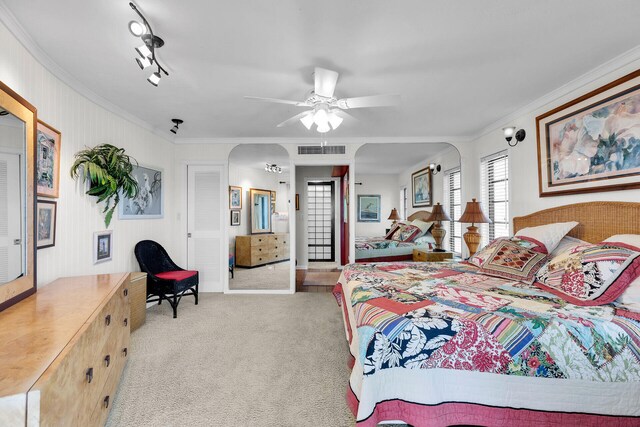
509 133
434 168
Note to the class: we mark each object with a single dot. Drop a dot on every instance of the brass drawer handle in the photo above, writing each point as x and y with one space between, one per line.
106 401
107 360
125 351
126 321
89 375
107 320
126 292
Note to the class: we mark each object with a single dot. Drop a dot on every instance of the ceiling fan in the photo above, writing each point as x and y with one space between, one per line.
326 111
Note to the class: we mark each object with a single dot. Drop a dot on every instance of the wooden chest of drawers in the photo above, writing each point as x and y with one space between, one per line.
261 249
67 347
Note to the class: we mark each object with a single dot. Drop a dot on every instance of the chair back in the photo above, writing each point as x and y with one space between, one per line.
153 258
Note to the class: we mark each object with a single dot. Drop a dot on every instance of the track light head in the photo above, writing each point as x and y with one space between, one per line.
154 78
144 62
144 51
177 123
137 29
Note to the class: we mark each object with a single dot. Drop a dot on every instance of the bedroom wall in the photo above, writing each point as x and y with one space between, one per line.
85 123
387 187
523 173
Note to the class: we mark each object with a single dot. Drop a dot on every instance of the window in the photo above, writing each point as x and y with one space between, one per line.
403 203
453 198
495 195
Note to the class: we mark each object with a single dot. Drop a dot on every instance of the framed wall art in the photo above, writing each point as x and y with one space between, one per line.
235 218
368 208
46 222
149 202
102 246
592 143
235 197
421 188
48 160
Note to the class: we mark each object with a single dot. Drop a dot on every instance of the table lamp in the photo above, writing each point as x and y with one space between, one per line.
473 214
438 215
394 215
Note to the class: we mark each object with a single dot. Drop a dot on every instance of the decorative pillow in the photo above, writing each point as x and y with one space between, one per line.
405 233
566 243
630 298
422 225
514 259
590 275
392 231
547 235
627 239
483 255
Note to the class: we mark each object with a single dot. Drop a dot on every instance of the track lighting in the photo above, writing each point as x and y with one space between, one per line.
273 168
176 126
147 51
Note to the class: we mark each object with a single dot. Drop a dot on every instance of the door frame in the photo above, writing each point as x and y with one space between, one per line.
224 235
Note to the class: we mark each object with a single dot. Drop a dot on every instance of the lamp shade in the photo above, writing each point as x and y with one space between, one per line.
438 214
394 215
473 214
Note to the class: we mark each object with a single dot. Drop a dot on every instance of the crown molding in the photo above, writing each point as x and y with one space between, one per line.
331 141
13 25
612 66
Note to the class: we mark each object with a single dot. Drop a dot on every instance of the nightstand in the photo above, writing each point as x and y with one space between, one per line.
426 256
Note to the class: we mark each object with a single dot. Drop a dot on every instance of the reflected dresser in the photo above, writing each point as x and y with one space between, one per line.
261 249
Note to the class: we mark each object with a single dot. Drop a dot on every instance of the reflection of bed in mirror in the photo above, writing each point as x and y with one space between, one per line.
17 241
381 249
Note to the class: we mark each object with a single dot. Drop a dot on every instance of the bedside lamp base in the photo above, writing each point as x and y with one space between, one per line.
472 239
438 233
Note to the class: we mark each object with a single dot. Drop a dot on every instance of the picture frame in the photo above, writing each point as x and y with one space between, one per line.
149 202
591 143
421 188
102 246
369 208
297 201
273 202
48 140
235 218
46 223
235 197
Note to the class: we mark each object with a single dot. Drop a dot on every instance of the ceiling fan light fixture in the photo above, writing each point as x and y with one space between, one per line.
143 63
323 127
154 78
307 121
321 118
335 120
143 51
137 29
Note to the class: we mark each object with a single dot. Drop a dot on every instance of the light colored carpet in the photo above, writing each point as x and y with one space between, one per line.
273 276
238 360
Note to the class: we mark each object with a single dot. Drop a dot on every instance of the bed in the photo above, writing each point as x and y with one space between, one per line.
379 249
437 344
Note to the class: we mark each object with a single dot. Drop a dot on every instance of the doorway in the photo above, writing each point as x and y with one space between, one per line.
321 221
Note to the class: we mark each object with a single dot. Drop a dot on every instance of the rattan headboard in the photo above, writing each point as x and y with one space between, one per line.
598 220
421 215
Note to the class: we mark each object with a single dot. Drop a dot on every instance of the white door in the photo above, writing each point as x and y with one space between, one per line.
205 226
11 244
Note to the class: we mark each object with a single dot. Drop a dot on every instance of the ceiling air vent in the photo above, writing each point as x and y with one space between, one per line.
316 149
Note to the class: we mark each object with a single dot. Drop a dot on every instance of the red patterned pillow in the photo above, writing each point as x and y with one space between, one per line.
513 259
592 274
406 233
391 232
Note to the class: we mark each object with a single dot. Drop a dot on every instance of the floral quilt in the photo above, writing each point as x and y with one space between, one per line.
447 315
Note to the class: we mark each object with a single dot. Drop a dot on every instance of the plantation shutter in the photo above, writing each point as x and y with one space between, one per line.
495 195
453 196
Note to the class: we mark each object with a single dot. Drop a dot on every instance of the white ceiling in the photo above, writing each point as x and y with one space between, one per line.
458 66
256 156
393 159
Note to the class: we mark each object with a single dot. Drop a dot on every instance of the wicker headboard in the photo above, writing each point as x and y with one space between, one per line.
598 220
421 215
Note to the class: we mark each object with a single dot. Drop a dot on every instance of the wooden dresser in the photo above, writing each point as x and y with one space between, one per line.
261 249
62 352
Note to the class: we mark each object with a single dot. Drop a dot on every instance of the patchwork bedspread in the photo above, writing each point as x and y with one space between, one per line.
368 243
429 334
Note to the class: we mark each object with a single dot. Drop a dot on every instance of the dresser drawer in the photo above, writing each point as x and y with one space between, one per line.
100 410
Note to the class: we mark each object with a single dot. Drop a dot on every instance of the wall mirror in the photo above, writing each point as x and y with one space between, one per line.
17 198
260 211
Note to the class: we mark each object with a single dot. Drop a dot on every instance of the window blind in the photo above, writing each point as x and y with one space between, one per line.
495 195
453 197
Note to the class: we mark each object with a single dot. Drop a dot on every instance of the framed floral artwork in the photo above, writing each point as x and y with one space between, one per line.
48 142
149 202
593 142
421 188
235 197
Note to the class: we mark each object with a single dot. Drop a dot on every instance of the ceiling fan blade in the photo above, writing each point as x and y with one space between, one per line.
278 101
325 82
369 101
294 119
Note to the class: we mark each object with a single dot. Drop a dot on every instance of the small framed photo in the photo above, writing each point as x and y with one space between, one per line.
235 218
235 197
46 223
149 202
48 160
102 246
368 208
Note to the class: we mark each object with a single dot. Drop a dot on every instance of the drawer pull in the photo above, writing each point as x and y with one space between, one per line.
126 292
107 320
259 259
276 247
107 360
106 402
126 321
125 351
89 375
275 238
259 240
276 256
260 249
